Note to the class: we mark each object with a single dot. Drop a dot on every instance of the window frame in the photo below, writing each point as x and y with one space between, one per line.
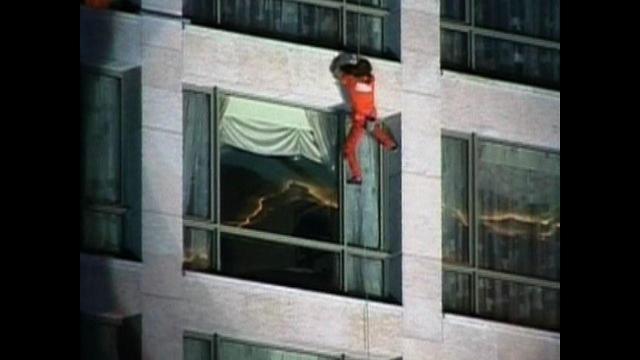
130 162
472 268
216 337
470 29
345 251
344 7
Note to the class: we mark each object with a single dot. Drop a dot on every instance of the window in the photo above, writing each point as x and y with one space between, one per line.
515 40
265 198
107 338
340 24
204 347
110 114
501 231
122 5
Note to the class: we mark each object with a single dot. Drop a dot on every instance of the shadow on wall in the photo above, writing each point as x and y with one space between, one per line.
106 319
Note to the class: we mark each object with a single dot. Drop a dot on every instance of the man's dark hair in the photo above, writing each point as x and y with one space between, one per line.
361 68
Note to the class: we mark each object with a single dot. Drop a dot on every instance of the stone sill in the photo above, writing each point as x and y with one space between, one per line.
502 327
284 45
111 262
285 291
498 84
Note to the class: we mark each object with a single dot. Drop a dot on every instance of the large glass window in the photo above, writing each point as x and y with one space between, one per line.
110 338
340 24
501 231
206 347
110 114
516 40
265 198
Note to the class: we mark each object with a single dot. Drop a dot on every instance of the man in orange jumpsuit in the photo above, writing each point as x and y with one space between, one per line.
359 84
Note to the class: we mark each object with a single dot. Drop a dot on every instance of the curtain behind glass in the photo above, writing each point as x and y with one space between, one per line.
199 11
455 200
365 276
538 18
519 210
101 139
325 129
231 350
197 154
362 206
285 19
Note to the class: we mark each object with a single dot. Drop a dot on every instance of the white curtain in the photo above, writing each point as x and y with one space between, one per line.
277 130
197 154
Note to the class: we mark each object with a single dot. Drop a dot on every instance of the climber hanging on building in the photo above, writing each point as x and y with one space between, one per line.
359 83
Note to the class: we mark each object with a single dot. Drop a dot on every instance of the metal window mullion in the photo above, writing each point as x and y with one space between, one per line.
215 174
344 26
474 215
281 239
369 253
498 34
218 8
215 346
471 36
341 184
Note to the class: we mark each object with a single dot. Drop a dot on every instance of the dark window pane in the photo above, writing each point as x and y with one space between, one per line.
519 62
365 276
455 200
199 11
538 18
518 303
102 232
197 154
283 19
101 105
279 169
280 264
233 350
456 290
197 349
453 9
98 340
374 3
519 210
371 28
198 250
453 49
362 203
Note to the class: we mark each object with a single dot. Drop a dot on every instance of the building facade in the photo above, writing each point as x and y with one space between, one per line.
217 221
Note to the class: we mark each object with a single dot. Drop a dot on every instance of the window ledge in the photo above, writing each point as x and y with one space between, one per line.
109 13
110 261
499 84
210 279
501 327
215 33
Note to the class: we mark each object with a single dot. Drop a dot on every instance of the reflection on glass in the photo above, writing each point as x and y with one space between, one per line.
101 232
537 18
452 9
518 303
455 200
197 349
519 210
197 154
98 340
289 20
100 102
280 264
198 249
199 11
453 49
456 290
279 169
370 32
511 60
365 276
232 350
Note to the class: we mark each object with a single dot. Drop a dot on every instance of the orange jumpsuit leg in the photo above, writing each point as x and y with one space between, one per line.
383 137
352 144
